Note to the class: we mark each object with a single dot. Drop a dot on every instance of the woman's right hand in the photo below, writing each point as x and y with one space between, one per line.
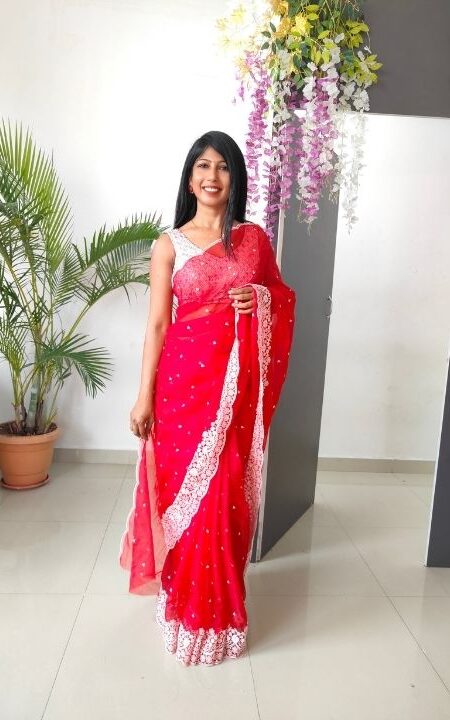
142 417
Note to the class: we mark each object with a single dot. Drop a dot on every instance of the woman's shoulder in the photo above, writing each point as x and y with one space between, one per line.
163 245
253 227
256 231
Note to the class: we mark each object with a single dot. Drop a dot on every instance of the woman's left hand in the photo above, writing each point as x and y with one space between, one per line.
242 299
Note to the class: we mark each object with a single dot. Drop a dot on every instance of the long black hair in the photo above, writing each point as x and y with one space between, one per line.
186 205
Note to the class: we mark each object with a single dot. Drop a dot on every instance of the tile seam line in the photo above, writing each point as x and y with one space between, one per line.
107 524
415 640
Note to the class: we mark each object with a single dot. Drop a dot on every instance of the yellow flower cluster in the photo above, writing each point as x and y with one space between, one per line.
242 68
237 16
238 30
279 7
284 28
258 24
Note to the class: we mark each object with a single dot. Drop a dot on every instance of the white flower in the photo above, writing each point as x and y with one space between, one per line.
349 89
308 87
361 100
335 55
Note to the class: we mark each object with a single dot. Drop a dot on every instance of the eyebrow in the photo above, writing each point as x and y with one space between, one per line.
208 160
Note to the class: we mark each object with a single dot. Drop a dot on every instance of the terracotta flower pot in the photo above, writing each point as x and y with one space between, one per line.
25 459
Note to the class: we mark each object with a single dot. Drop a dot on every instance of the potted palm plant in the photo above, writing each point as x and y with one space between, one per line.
45 278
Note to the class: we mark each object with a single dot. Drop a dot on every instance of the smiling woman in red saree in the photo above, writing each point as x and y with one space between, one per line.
188 536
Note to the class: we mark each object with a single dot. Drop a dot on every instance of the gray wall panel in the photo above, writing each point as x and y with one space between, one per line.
307 266
438 552
412 40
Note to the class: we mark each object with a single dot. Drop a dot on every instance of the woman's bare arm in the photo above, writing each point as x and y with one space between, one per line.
159 319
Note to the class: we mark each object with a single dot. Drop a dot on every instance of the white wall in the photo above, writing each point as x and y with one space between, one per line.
389 329
119 90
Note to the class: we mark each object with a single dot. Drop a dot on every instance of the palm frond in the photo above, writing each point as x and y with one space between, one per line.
10 302
12 344
122 244
20 238
11 186
21 247
116 258
93 365
109 279
66 281
33 171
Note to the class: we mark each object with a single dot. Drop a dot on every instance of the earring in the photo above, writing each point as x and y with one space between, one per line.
190 189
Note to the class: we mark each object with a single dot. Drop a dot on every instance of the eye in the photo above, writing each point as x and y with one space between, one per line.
203 164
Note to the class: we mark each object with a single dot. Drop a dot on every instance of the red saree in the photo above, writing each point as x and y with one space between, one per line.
188 536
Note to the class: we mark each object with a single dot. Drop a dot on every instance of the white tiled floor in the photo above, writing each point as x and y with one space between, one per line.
345 621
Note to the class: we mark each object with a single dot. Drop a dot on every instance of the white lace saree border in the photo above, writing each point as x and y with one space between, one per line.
204 646
253 474
205 461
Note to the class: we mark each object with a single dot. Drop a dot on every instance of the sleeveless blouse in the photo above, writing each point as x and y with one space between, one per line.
203 276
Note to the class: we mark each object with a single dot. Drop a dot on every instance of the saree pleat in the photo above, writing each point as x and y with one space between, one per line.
188 537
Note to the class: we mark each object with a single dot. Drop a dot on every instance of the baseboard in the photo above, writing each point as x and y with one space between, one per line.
92 455
380 465
376 465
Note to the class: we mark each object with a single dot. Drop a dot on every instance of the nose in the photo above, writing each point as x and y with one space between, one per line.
213 173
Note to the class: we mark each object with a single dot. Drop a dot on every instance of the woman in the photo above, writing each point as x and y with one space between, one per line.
215 357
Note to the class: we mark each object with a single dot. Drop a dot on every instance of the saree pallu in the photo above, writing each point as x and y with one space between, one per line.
189 534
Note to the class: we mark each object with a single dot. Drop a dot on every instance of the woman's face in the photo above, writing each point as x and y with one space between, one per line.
210 171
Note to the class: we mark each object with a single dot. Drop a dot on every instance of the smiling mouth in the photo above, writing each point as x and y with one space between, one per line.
211 189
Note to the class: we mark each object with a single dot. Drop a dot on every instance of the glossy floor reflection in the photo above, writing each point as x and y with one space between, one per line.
345 621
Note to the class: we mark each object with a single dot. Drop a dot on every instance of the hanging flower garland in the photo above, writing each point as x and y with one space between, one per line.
302 66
